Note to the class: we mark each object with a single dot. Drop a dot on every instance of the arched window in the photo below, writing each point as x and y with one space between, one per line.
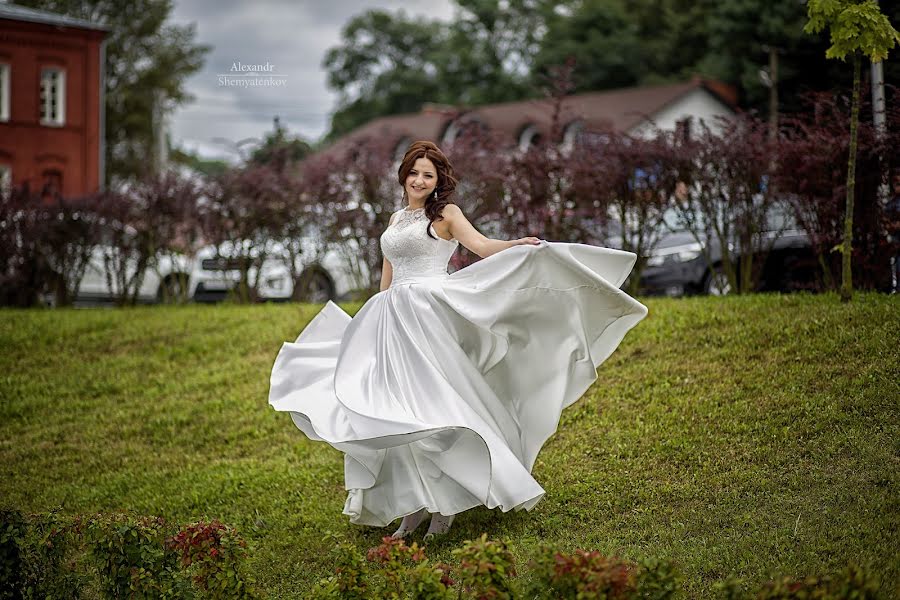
400 149
571 133
463 126
450 133
528 136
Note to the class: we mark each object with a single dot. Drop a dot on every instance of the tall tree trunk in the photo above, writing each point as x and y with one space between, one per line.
846 275
773 93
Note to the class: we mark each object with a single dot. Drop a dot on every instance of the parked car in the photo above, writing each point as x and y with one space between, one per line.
327 278
678 267
210 275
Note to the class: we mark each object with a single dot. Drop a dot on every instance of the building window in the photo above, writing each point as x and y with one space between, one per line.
400 150
570 135
528 137
4 92
5 179
683 129
53 96
52 182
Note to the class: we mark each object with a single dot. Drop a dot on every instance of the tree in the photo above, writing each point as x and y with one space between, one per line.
370 196
245 217
128 250
170 201
858 29
192 160
46 244
635 177
603 38
384 66
729 200
812 159
747 39
491 48
147 61
279 149
390 63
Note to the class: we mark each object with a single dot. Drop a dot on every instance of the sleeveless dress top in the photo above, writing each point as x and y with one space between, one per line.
441 390
412 253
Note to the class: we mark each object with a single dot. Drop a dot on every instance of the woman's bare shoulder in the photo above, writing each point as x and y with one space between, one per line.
451 210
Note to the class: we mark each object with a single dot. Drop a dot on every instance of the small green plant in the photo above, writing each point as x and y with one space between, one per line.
389 570
658 580
12 532
132 558
583 575
487 568
348 581
213 554
38 556
590 575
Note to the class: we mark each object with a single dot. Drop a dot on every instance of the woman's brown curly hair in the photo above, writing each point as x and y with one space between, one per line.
446 180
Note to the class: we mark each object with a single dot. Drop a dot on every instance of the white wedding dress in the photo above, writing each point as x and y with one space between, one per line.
443 388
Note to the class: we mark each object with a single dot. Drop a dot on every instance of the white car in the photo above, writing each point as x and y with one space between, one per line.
210 276
327 278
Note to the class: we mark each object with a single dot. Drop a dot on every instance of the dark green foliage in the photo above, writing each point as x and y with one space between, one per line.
119 555
604 41
496 52
213 554
39 556
132 559
389 570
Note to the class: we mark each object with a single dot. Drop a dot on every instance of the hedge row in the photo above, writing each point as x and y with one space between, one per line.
122 555
119 555
486 571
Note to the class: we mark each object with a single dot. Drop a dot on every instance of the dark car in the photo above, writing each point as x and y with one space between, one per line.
678 266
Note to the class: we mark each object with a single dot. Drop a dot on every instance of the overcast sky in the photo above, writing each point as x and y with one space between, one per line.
292 36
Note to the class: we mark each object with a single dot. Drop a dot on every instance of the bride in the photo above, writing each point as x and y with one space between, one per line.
442 389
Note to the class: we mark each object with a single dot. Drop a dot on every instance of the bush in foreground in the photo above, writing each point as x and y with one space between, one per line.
121 555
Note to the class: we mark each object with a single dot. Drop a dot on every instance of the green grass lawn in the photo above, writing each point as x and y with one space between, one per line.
750 435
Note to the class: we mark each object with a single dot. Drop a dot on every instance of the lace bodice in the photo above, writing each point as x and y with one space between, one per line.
411 252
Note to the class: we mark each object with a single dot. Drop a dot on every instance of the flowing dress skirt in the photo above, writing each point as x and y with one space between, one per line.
442 390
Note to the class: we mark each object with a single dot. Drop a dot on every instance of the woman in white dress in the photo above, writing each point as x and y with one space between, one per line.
442 389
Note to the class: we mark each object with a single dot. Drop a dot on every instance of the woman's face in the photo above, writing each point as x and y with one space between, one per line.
421 180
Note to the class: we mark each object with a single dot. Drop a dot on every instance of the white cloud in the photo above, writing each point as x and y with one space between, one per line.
293 36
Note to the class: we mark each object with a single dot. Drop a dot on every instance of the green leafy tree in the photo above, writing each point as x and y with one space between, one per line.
491 49
147 62
192 160
279 149
384 66
747 39
857 29
390 63
602 38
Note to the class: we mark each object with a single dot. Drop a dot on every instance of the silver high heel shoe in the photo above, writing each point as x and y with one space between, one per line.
409 524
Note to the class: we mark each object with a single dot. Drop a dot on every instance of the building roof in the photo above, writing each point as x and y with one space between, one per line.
14 12
620 109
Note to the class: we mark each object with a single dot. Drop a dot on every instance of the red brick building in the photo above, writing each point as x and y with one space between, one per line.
51 101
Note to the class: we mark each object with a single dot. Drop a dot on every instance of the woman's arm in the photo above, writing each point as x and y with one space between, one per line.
473 240
387 270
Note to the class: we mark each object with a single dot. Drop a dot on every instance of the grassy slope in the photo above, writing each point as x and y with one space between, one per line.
750 435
